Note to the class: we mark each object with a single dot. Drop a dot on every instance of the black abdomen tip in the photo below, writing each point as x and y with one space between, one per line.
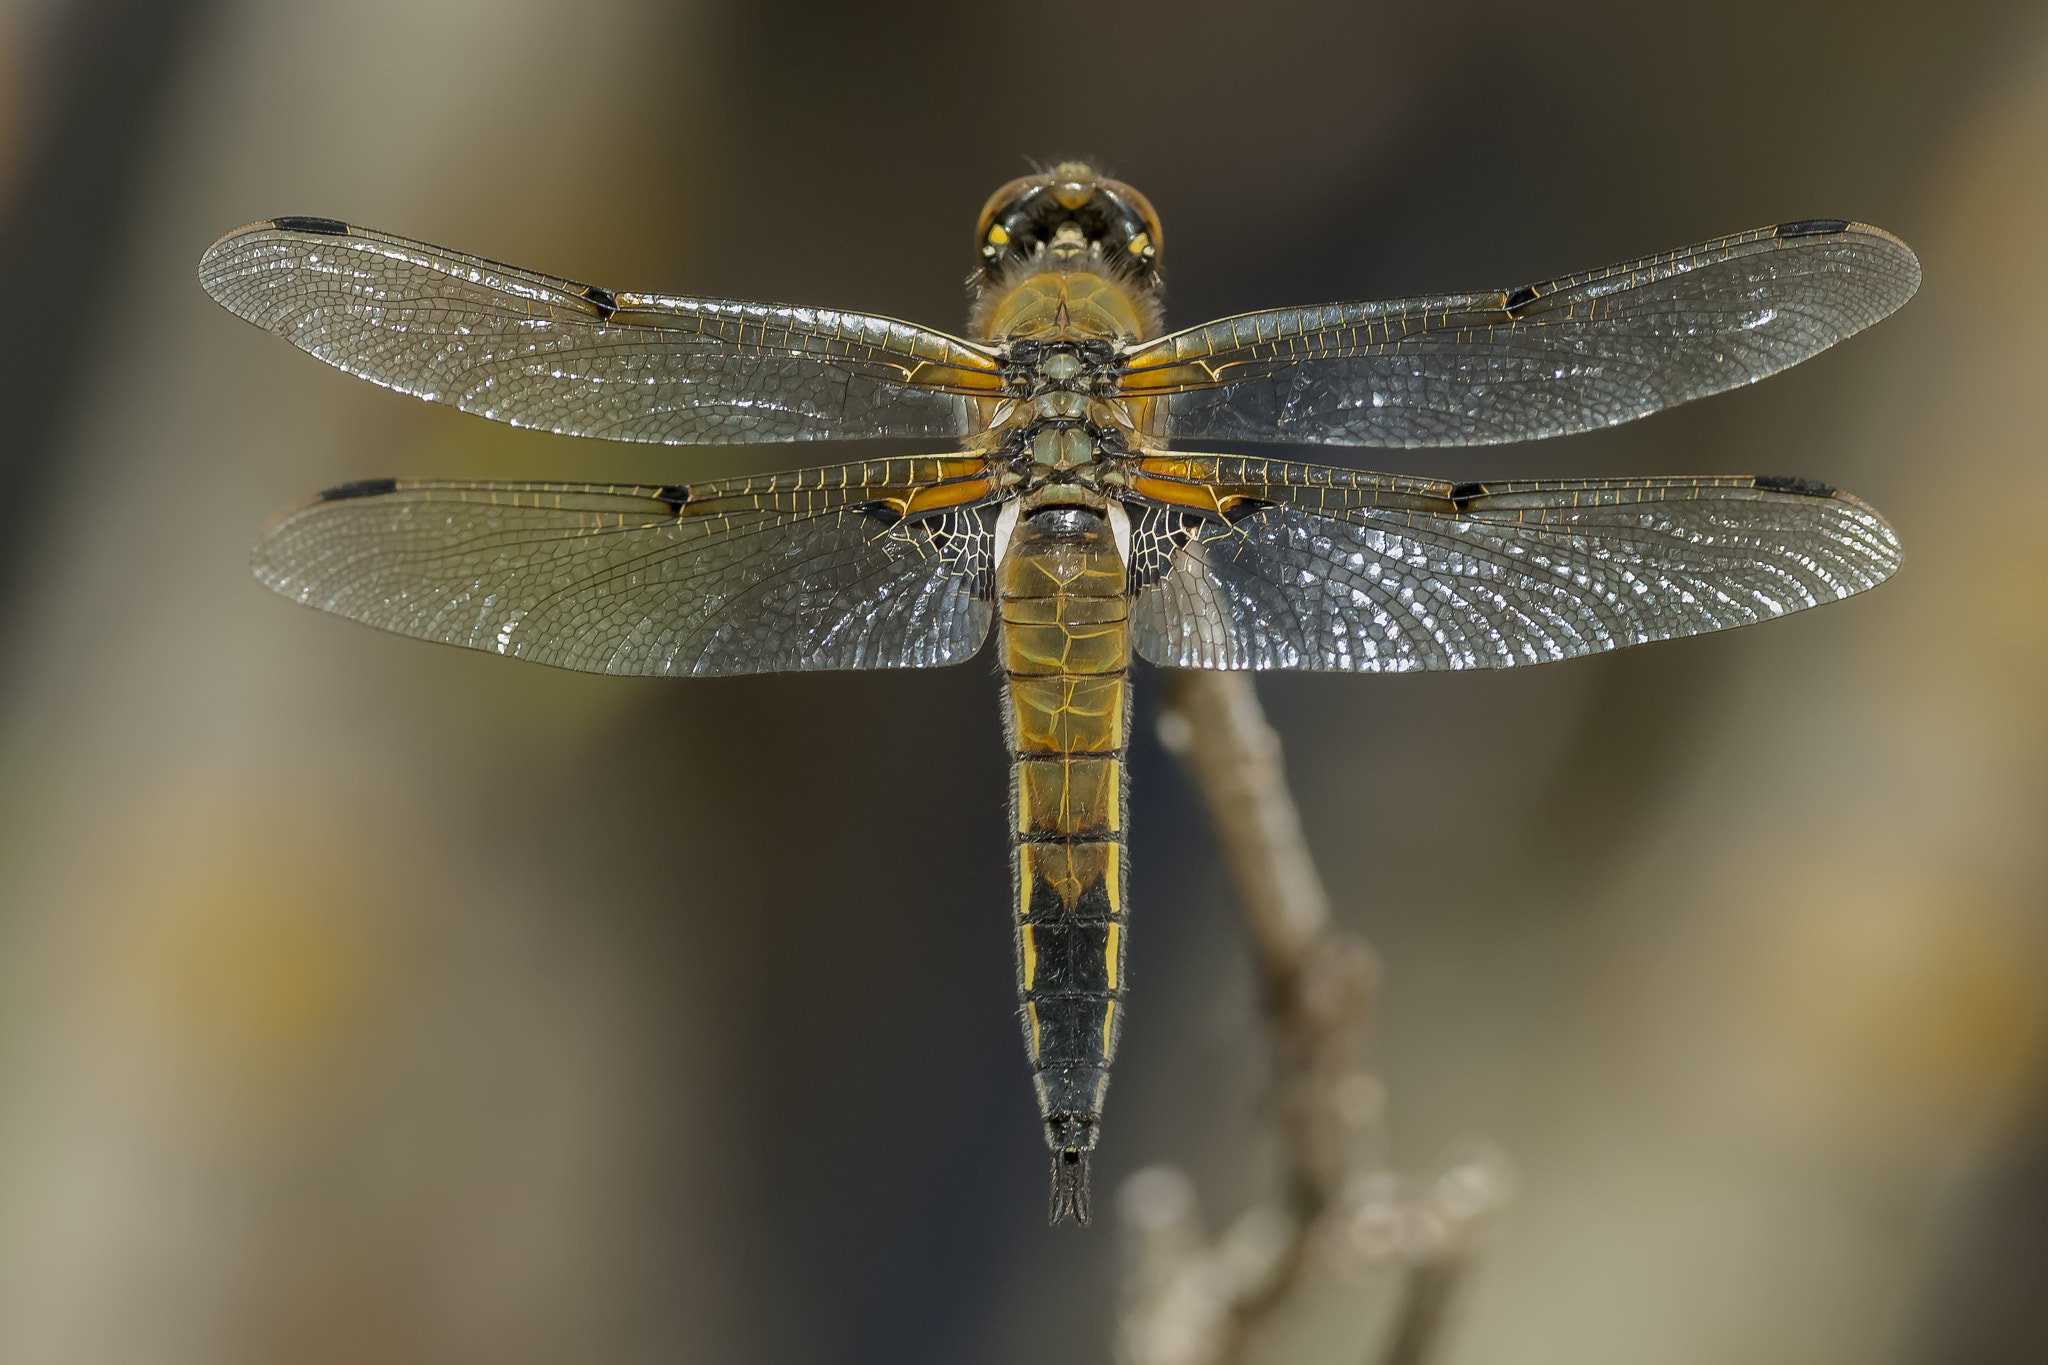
326 227
1069 1187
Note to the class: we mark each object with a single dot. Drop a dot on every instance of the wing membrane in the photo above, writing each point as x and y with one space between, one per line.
1584 351
1334 570
537 351
800 571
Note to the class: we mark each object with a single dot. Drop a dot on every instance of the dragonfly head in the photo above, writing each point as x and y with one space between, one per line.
1070 212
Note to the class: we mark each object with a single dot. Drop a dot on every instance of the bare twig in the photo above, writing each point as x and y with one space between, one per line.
1190 1301
1214 725
1317 980
1422 1312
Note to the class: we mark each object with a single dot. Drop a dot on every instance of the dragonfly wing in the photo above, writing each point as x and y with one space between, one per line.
538 351
1585 351
1333 570
812 570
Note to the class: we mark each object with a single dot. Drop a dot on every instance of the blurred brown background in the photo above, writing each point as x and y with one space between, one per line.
367 1001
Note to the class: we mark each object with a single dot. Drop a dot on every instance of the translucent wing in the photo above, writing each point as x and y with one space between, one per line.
537 351
810 570
1334 570
1585 351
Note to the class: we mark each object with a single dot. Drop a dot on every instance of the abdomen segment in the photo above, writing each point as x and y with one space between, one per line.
1066 644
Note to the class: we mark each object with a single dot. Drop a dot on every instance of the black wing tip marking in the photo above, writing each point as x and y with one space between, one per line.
1812 227
1785 483
1461 494
360 488
326 227
1518 297
607 302
673 496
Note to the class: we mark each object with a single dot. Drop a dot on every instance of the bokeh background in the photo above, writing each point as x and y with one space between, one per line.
362 1000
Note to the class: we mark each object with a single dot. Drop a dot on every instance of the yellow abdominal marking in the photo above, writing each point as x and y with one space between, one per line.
1031 958
1109 953
1108 1018
1070 869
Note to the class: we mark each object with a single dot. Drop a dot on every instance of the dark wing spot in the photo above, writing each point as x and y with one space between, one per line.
1812 227
674 494
361 488
607 302
326 227
1240 508
1520 297
882 512
1783 483
1462 494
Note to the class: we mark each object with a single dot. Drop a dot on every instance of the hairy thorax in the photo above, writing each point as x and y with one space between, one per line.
1062 434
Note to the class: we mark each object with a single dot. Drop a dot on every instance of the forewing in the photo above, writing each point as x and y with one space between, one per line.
1584 351
1332 570
810 570
537 351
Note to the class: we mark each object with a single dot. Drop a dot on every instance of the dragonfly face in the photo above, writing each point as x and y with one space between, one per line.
1062 507
1068 212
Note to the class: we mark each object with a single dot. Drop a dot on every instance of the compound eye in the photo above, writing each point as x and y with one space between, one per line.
1139 228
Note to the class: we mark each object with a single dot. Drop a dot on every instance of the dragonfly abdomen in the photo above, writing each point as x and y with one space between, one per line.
1066 649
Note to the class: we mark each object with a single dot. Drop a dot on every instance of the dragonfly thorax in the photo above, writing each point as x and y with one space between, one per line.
1064 424
1072 299
1064 435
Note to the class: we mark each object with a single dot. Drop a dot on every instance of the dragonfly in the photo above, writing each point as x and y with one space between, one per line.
1067 504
